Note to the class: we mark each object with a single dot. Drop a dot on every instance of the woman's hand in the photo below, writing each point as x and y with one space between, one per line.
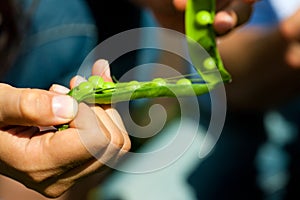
51 161
231 13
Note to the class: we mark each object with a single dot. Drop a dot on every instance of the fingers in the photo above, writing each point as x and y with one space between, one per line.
114 127
242 9
101 130
57 159
101 136
59 89
119 140
232 15
225 21
117 120
98 125
101 68
34 107
76 80
76 145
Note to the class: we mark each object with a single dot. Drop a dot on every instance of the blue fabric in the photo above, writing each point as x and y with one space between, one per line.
60 35
263 14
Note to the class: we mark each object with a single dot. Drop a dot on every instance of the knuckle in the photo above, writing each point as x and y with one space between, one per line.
32 104
118 141
127 144
51 189
37 177
127 147
54 191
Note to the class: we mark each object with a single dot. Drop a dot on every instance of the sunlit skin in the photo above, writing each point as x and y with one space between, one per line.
51 161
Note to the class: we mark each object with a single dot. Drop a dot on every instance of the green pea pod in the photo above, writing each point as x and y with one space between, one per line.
199 18
146 90
132 90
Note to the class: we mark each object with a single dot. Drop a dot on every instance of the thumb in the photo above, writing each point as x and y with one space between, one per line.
34 107
234 14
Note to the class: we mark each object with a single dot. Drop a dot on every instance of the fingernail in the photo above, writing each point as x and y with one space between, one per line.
60 89
64 107
107 73
104 68
102 63
224 22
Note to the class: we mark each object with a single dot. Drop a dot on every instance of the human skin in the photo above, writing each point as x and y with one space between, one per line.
264 63
170 13
49 161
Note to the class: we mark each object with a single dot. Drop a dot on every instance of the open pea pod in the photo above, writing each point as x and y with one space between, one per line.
199 18
199 30
108 92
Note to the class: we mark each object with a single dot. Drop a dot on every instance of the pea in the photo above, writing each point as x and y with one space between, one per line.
81 90
108 87
203 18
85 88
209 63
206 43
159 81
184 81
133 85
97 81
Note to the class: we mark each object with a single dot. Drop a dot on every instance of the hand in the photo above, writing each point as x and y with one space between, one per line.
231 13
51 161
170 13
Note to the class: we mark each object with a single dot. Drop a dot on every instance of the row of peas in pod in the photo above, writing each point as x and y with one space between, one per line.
97 85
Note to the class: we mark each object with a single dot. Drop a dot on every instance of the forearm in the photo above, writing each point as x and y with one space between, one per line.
256 60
